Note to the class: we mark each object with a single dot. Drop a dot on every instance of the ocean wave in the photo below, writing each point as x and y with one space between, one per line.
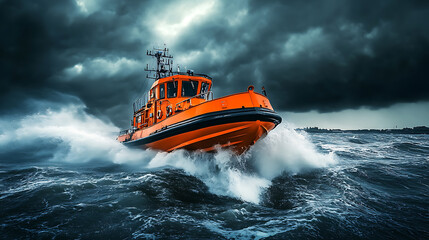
289 185
80 138
411 147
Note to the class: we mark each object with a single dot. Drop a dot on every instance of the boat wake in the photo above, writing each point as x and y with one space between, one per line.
72 136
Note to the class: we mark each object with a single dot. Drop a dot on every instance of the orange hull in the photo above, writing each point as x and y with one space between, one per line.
237 136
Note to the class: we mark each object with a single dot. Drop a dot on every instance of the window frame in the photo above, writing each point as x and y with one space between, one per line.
163 87
201 88
190 81
177 88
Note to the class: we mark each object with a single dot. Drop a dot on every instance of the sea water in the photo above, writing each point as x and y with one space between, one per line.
65 176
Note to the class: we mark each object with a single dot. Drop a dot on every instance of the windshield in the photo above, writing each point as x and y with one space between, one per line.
172 89
189 88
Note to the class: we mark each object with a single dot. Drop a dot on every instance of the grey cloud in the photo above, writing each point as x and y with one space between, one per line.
324 55
309 55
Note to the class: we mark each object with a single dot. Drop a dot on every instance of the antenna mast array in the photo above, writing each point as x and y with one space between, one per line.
164 63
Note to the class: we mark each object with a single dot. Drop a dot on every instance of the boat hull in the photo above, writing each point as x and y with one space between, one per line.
237 129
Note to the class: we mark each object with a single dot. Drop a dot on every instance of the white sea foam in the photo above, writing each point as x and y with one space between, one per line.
284 149
83 137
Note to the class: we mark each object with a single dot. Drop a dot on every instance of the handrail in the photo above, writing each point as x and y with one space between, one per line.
123 132
140 102
127 131
163 100
194 74
207 96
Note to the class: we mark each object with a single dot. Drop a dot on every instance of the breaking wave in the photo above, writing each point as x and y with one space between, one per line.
70 135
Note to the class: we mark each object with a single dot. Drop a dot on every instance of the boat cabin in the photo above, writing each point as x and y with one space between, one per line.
169 96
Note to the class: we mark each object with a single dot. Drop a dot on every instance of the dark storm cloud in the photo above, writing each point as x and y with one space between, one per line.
42 40
322 55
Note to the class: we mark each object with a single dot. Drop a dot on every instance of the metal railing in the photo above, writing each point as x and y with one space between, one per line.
207 96
127 131
192 74
140 102
122 132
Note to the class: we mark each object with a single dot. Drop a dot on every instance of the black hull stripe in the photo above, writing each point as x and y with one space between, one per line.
210 119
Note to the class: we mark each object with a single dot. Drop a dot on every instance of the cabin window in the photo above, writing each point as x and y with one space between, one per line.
151 93
172 89
204 89
189 88
161 91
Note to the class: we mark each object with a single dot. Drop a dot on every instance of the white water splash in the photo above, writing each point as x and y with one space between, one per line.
247 176
80 137
83 137
217 171
284 149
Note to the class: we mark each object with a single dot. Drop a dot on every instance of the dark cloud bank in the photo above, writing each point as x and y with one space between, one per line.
309 55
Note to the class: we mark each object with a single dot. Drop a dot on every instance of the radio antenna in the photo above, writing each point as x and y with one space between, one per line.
164 63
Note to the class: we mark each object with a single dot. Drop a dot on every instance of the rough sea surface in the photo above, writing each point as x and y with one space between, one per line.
62 182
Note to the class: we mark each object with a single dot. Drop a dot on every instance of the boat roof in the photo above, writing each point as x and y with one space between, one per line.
198 77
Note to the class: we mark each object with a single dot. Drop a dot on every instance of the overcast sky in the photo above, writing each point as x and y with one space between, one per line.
367 59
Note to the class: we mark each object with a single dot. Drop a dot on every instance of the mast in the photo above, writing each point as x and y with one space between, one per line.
164 64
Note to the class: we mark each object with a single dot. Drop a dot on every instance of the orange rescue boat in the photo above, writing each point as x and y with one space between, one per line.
180 112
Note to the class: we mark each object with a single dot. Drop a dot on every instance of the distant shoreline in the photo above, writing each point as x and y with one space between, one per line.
414 130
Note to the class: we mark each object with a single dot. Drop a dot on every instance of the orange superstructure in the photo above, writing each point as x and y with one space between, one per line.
180 112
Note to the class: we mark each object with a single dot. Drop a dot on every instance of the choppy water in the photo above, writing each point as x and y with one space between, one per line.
62 182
